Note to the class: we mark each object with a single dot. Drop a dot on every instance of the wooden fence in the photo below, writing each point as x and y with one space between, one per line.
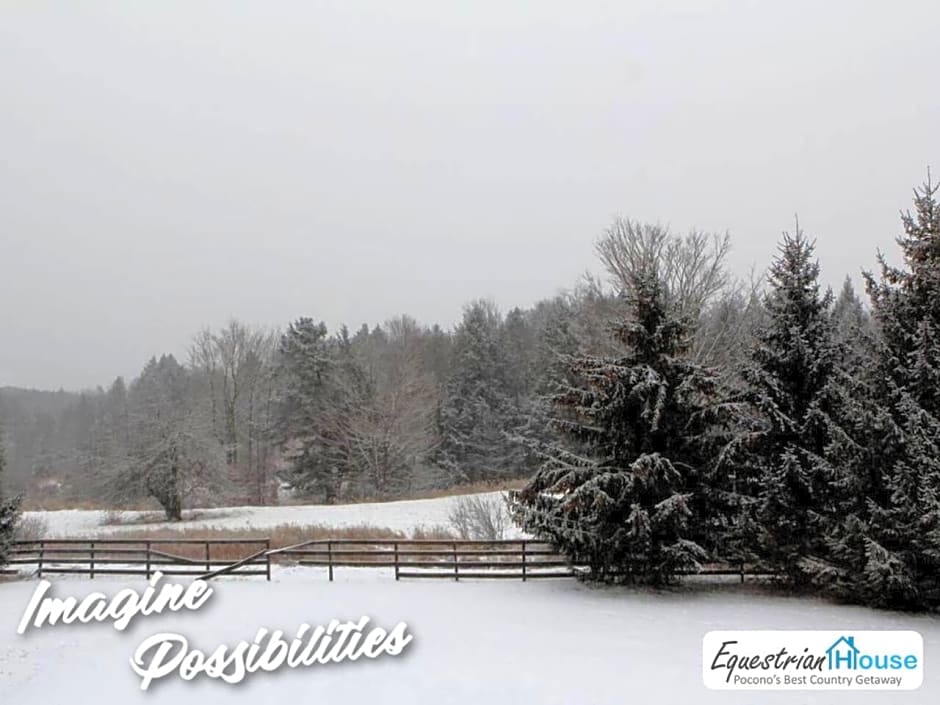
115 556
433 558
515 559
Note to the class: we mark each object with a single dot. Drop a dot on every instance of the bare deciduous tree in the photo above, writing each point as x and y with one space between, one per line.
236 365
479 518
726 328
393 432
379 420
173 456
690 269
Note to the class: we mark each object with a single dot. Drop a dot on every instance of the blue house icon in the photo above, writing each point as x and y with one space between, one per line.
843 653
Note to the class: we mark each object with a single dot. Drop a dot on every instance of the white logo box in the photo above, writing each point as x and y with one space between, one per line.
813 660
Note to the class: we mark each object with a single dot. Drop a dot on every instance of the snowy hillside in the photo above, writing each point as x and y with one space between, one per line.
398 516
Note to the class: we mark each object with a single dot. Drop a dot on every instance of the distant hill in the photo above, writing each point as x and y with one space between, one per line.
35 401
42 433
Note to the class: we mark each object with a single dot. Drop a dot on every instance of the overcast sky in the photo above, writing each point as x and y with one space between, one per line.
166 166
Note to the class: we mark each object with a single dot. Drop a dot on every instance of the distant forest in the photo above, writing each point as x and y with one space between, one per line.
374 412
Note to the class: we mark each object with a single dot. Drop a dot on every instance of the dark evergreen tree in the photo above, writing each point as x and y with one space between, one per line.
306 367
555 340
625 488
348 391
783 449
856 449
479 413
890 551
552 342
518 341
854 330
437 353
9 513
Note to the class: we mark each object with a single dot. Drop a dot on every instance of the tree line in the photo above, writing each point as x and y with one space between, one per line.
383 412
665 418
815 453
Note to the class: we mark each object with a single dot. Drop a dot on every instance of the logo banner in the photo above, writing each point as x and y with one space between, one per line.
813 660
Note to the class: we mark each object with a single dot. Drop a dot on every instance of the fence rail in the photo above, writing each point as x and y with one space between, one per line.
513 559
99 556
519 559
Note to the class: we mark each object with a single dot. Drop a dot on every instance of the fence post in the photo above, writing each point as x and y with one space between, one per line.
456 564
92 553
42 552
742 572
267 556
329 558
396 560
208 562
148 560
523 561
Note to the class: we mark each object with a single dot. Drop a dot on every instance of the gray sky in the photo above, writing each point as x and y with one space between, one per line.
165 166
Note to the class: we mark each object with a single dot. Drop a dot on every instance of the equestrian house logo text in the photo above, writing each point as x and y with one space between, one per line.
813 660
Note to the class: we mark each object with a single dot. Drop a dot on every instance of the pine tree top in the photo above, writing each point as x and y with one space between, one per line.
920 246
906 301
794 352
794 294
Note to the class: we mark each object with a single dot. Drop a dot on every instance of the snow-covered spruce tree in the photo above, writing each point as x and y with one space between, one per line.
9 512
554 340
854 329
625 488
478 412
895 549
306 363
862 436
784 447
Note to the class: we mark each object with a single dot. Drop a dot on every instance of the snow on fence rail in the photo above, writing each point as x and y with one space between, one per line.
97 556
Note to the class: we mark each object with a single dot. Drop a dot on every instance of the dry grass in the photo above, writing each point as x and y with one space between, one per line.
29 528
281 536
436 532
242 543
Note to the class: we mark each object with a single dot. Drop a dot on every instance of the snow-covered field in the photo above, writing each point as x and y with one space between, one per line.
398 516
474 642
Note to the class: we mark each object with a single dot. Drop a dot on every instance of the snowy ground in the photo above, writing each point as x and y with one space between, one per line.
399 516
475 642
